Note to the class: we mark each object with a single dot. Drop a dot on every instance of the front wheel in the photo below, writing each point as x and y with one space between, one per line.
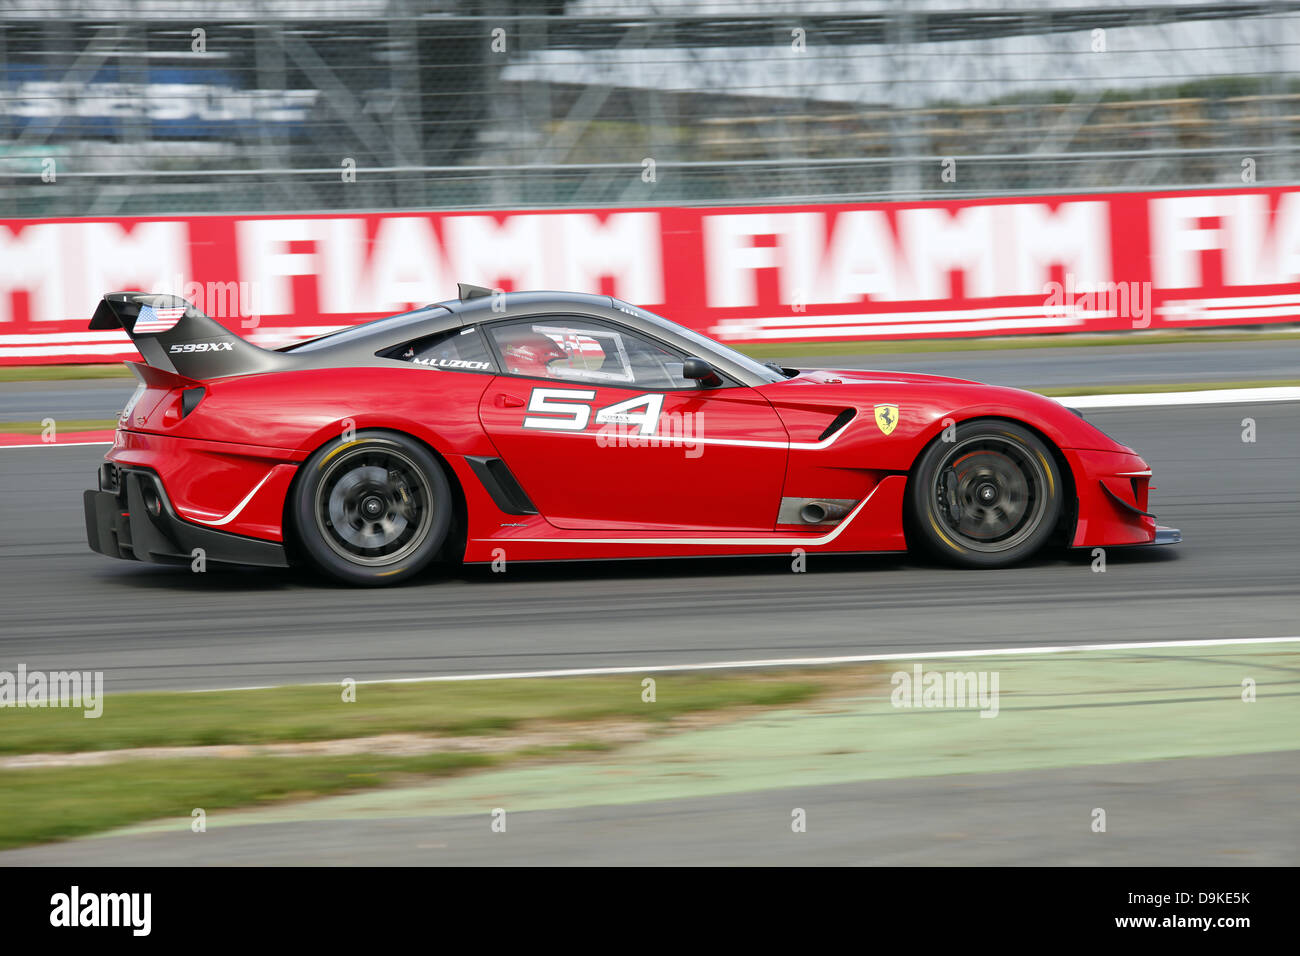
989 498
373 510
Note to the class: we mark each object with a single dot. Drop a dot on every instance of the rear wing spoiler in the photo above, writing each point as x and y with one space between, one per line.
173 336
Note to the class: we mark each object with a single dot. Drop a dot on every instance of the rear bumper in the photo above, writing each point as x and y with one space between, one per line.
131 517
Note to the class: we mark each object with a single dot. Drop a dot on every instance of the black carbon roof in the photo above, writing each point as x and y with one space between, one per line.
357 346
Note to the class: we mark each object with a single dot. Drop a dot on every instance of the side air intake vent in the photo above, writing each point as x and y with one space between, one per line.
838 422
190 399
502 485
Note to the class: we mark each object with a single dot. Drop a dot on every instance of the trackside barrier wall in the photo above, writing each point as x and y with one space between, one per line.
744 274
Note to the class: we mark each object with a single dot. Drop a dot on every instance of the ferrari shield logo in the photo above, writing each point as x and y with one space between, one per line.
886 417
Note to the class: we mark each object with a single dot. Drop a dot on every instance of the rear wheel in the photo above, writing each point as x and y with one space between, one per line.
987 499
373 510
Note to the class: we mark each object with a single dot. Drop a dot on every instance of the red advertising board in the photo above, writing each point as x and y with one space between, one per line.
1005 266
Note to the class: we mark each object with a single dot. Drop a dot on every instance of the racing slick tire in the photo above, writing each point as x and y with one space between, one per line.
373 510
989 498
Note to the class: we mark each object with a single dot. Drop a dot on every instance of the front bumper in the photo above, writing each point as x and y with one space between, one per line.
131 517
1112 489
1167 535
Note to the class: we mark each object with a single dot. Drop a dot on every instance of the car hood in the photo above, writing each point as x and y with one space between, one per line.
859 376
932 397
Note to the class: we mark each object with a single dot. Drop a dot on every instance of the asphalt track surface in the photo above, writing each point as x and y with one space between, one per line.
1022 368
154 627
1090 365
1237 811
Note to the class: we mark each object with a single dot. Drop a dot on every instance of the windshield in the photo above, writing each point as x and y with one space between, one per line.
768 373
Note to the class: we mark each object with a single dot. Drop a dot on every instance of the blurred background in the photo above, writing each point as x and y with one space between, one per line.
205 106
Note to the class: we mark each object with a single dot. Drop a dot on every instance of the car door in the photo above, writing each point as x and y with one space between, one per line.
599 426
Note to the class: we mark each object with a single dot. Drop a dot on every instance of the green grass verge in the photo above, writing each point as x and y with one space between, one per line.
40 804
73 425
306 713
44 804
1130 389
58 373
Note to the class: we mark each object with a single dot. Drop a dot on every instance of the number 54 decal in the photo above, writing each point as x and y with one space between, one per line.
573 415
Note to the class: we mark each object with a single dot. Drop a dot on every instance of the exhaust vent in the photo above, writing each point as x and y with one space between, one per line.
814 511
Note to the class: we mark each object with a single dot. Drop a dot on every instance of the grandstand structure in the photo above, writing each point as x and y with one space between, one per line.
119 107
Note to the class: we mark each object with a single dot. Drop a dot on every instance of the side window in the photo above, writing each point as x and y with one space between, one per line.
457 350
579 350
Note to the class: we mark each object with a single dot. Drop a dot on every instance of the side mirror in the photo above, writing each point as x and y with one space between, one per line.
701 371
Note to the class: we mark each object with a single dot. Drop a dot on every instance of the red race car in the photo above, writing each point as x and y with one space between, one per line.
540 426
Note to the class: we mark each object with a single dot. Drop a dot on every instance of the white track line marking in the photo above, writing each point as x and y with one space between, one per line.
1209 396
56 444
785 662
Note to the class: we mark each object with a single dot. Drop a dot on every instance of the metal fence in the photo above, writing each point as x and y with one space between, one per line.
140 107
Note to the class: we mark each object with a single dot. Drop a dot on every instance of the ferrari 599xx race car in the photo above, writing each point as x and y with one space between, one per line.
537 426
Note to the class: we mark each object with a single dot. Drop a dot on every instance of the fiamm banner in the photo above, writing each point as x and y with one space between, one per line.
1126 261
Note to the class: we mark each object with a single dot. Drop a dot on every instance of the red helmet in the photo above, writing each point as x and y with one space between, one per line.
529 353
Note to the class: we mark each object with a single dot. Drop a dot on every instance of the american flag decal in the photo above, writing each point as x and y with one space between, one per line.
153 320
